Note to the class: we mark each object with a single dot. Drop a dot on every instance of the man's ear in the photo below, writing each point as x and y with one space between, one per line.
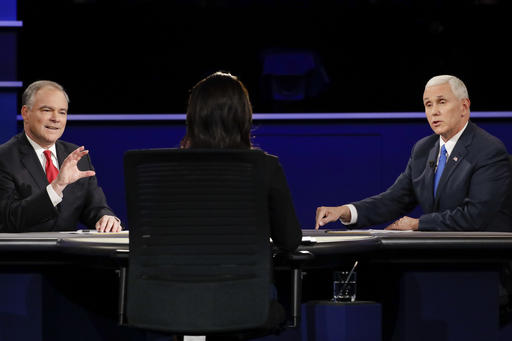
24 112
466 103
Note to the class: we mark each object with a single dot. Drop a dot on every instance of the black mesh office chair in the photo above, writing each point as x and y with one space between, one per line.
510 159
200 259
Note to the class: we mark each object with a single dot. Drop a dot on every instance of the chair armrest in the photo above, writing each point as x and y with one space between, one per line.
293 259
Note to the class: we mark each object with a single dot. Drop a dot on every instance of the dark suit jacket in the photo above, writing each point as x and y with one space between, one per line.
474 191
24 202
285 229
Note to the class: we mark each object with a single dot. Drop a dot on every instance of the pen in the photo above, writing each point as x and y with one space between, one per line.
348 278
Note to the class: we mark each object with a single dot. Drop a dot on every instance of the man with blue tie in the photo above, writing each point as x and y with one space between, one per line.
460 176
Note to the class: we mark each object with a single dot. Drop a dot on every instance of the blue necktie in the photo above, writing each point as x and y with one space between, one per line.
440 168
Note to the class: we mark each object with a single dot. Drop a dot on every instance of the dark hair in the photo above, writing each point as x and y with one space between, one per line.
219 114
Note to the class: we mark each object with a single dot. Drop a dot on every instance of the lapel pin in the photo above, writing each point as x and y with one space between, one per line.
455 159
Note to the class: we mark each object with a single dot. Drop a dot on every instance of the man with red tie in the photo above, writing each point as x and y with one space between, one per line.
47 184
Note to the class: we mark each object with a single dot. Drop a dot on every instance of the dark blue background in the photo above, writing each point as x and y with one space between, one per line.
327 162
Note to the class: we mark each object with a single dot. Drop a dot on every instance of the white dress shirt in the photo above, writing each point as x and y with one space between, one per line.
54 197
450 144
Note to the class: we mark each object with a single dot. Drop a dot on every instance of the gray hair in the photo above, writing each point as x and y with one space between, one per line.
28 95
457 86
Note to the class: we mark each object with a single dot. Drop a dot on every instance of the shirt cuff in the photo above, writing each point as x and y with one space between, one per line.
353 215
54 197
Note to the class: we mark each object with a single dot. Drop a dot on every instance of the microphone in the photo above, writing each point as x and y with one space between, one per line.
432 164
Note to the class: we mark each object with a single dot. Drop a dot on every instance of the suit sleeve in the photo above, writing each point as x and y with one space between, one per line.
95 203
21 208
489 186
396 201
284 227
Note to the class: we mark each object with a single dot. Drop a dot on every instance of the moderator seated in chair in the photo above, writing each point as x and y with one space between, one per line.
200 222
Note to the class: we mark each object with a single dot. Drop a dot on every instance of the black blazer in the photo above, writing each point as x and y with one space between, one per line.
285 229
474 191
24 202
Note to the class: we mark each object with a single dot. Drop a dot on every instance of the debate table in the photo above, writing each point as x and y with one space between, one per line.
432 285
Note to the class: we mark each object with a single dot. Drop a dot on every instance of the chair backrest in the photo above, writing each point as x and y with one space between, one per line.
200 259
510 159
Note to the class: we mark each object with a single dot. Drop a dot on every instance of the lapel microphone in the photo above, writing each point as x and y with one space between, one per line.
432 164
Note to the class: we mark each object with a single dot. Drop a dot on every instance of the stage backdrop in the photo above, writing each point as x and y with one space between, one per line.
326 161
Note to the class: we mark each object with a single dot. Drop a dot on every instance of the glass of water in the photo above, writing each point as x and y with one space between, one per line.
344 286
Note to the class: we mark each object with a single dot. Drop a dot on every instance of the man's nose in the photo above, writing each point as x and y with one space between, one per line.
54 117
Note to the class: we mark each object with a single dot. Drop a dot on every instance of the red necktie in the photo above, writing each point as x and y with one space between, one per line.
51 170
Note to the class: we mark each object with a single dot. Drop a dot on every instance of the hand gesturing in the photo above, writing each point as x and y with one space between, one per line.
69 171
